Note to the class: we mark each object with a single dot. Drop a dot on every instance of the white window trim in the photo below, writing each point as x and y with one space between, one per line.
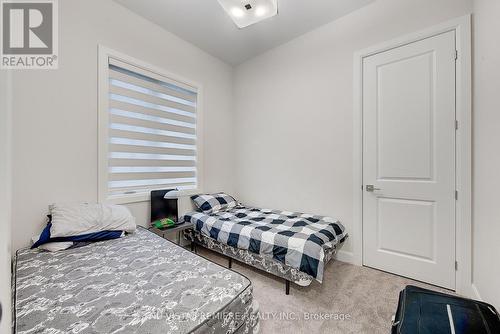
104 53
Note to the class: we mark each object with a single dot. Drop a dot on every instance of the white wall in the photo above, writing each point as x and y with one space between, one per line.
294 108
486 155
5 198
55 112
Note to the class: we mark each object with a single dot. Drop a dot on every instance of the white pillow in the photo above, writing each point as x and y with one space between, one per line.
83 218
53 246
56 246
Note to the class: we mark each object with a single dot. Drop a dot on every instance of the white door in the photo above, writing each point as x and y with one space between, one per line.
409 159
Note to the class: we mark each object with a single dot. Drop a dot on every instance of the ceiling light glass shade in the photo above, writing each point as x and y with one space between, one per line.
247 12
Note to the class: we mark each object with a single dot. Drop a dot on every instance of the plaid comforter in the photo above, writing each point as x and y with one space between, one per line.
295 239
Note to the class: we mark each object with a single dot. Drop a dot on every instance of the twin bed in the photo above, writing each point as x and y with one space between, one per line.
294 246
140 283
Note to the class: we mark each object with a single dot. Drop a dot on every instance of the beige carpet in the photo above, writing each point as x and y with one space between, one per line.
357 299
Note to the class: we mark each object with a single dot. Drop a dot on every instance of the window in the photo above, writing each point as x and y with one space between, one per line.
148 122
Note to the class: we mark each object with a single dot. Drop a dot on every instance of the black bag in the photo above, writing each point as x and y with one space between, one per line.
424 311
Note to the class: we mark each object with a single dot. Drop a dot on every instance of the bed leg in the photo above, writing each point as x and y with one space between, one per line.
230 263
287 287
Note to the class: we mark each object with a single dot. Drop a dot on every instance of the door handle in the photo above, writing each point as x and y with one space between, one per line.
371 188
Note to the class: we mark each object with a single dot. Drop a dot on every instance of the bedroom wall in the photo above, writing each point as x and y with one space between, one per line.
55 112
294 108
486 157
5 198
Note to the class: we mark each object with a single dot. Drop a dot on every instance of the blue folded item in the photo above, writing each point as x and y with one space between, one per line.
96 236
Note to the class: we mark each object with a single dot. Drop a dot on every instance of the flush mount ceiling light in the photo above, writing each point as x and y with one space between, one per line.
247 12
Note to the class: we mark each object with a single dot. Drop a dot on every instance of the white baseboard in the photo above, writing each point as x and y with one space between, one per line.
345 256
348 257
475 291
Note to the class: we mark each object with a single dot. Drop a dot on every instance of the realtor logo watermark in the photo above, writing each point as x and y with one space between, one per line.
29 34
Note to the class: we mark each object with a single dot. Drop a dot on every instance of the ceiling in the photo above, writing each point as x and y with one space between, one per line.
205 24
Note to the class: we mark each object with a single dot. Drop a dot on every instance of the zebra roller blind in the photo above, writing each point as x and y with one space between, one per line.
152 131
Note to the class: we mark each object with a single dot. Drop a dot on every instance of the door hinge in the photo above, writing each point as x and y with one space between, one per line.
456 195
456 54
456 265
456 124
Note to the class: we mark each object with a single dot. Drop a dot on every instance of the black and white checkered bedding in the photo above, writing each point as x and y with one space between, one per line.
209 203
295 239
